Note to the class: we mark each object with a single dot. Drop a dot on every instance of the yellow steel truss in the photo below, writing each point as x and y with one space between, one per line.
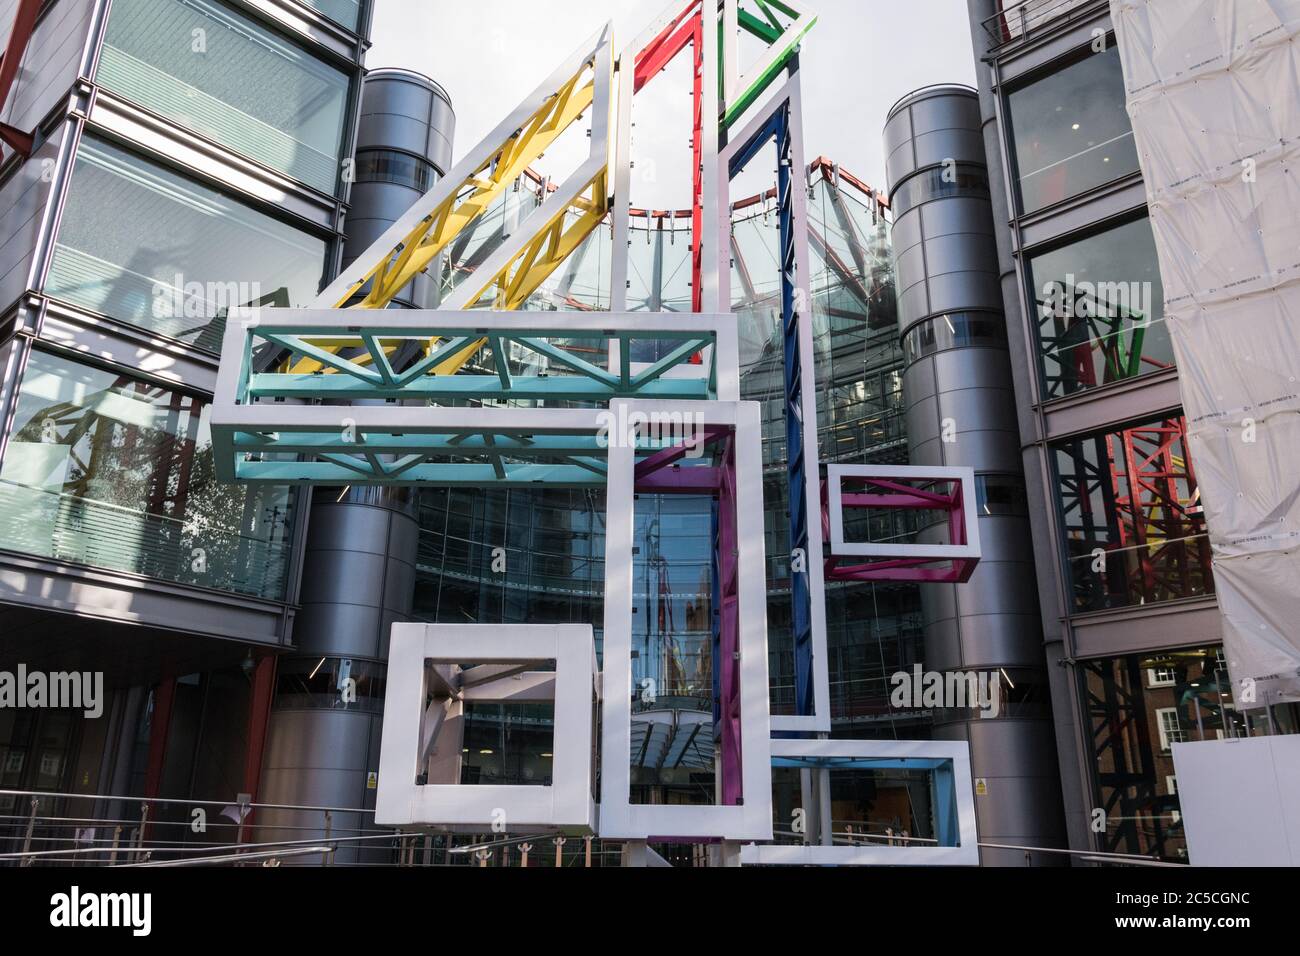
556 239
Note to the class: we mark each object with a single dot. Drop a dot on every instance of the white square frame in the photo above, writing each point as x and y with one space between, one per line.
566 804
970 551
966 854
619 818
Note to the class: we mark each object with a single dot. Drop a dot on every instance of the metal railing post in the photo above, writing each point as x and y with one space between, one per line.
144 824
31 828
117 840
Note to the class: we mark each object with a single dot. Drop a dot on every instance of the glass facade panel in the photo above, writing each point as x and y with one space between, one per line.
346 13
1134 722
1100 310
149 247
1134 525
868 807
942 182
1071 131
392 166
222 75
110 472
954 331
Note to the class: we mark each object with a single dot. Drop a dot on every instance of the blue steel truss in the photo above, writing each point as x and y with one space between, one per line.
777 129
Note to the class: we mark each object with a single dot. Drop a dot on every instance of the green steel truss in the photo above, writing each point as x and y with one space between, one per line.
379 412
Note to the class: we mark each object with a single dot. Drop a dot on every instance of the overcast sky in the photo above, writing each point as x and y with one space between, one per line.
859 59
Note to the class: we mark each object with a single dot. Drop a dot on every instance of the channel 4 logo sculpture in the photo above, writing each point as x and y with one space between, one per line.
286 412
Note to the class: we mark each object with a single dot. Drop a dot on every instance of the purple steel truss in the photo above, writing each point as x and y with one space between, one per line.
890 493
661 474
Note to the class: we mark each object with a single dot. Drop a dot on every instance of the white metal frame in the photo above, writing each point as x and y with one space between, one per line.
789 93
966 854
600 47
567 803
735 81
970 551
227 417
619 818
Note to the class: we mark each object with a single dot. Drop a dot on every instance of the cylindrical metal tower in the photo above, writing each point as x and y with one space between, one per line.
961 412
359 563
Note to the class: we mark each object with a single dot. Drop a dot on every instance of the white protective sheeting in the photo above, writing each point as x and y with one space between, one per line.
1214 95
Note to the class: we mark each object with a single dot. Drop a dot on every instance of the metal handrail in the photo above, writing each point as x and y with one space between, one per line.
1028 16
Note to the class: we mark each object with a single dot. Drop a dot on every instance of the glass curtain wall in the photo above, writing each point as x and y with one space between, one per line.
221 74
108 471
149 247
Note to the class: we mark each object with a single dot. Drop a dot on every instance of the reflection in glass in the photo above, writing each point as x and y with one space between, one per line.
1139 707
508 744
224 76
1100 309
146 246
107 471
869 807
394 166
941 182
346 13
1134 523
1071 131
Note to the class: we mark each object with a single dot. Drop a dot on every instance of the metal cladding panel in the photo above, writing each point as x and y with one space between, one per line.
959 291
985 451
339 740
914 304
957 215
976 367
978 641
1216 115
930 127
343 630
996 588
960 252
959 112
376 206
936 148
405 111
349 527
909 263
898 131
1006 748
344 577
906 231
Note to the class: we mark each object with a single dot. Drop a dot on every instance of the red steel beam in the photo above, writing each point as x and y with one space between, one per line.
19 35
686 29
259 718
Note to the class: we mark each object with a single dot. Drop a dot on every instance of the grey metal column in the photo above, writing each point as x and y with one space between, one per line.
359 563
961 411
1074 759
